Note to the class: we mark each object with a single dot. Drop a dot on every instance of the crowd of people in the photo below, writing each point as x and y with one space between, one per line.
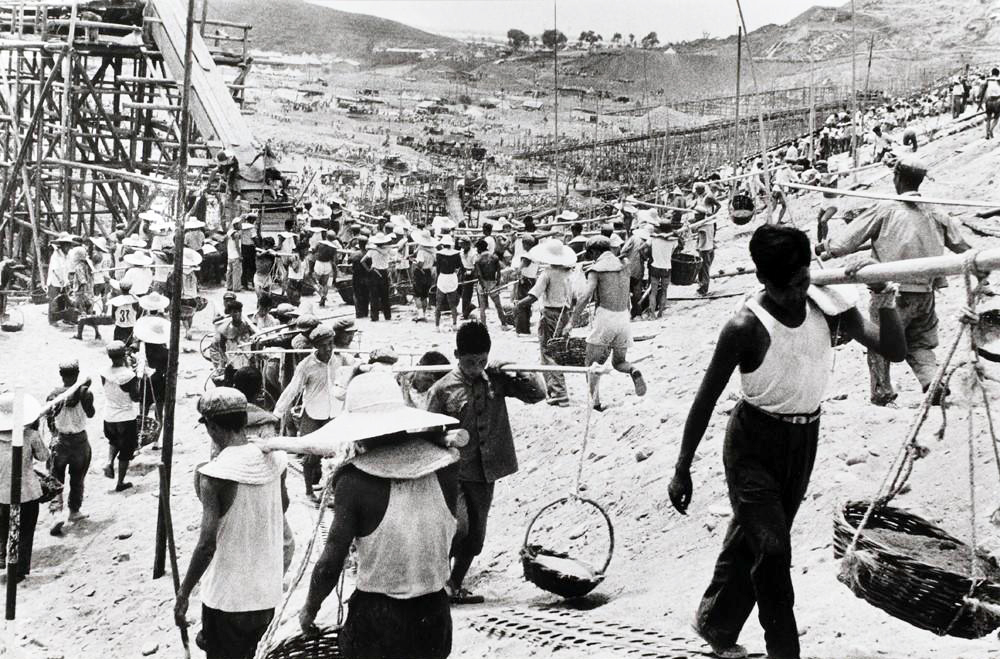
418 454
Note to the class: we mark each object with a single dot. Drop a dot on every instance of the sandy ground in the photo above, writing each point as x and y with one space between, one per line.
90 594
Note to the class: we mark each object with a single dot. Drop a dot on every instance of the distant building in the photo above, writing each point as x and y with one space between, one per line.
583 114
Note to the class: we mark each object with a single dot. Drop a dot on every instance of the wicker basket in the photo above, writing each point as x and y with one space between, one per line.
39 296
325 645
684 268
553 581
345 287
923 595
567 351
987 333
12 321
149 431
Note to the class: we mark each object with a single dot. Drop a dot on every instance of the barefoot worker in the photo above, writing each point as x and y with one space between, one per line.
396 503
476 395
780 340
70 447
608 286
240 547
900 230
121 413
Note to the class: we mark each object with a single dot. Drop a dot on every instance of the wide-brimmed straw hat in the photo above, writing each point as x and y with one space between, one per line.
374 407
138 259
133 241
152 216
123 299
422 238
552 252
380 239
152 329
154 302
100 243
568 216
64 238
193 223
30 409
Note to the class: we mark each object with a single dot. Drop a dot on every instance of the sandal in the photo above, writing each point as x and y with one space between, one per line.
721 650
465 596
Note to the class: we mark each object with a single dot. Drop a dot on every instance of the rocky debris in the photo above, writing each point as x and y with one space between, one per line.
150 649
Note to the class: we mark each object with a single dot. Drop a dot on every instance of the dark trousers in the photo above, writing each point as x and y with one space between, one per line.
768 463
232 635
248 255
383 627
467 290
26 537
475 498
359 287
312 465
522 314
635 295
378 294
57 304
553 319
707 256
71 453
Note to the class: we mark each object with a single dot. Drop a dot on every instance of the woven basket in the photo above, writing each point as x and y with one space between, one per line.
325 645
12 321
150 430
684 268
559 583
567 351
346 289
923 595
987 333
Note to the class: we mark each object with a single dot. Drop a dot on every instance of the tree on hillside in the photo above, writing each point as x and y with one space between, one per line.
589 38
617 38
517 39
553 38
650 40
631 41
534 42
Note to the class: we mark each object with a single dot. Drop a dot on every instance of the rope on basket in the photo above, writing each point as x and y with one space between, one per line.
900 471
586 435
265 644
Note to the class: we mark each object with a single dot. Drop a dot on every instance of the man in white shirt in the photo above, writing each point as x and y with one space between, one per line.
58 276
248 249
234 271
121 413
314 386
662 244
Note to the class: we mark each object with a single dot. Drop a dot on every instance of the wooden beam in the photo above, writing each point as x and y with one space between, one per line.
910 270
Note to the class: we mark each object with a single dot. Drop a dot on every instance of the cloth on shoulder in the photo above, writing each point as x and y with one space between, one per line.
246 464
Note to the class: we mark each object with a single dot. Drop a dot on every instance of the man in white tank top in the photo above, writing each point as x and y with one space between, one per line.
239 557
781 342
396 502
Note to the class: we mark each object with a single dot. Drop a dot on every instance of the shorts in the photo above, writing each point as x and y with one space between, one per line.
446 300
381 626
123 334
123 436
611 329
992 105
421 282
659 272
322 268
231 635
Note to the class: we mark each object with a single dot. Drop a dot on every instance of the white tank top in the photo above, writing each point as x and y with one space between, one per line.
246 570
992 88
407 555
118 405
792 377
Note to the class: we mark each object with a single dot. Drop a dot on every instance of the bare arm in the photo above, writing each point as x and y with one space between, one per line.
887 339
216 497
338 543
728 352
582 303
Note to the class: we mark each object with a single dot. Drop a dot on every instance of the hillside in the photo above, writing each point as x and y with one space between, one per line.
911 28
295 26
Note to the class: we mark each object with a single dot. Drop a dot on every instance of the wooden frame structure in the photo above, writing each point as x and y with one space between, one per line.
90 115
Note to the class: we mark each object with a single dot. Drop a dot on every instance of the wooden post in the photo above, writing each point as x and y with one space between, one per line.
854 93
170 399
66 120
736 124
555 103
13 538
760 116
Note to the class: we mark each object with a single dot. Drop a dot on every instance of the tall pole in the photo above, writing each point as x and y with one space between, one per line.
204 16
760 117
854 91
555 76
170 399
13 539
739 72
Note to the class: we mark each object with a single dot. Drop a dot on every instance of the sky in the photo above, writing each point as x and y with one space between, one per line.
673 20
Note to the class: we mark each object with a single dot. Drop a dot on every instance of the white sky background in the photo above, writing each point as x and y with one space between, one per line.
673 20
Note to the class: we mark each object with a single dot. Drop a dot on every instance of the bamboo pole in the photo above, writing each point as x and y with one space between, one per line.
983 261
66 118
736 124
13 539
180 208
912 199
172 548
760 114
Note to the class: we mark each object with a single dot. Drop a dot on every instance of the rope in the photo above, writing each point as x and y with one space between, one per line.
586 435
265 644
